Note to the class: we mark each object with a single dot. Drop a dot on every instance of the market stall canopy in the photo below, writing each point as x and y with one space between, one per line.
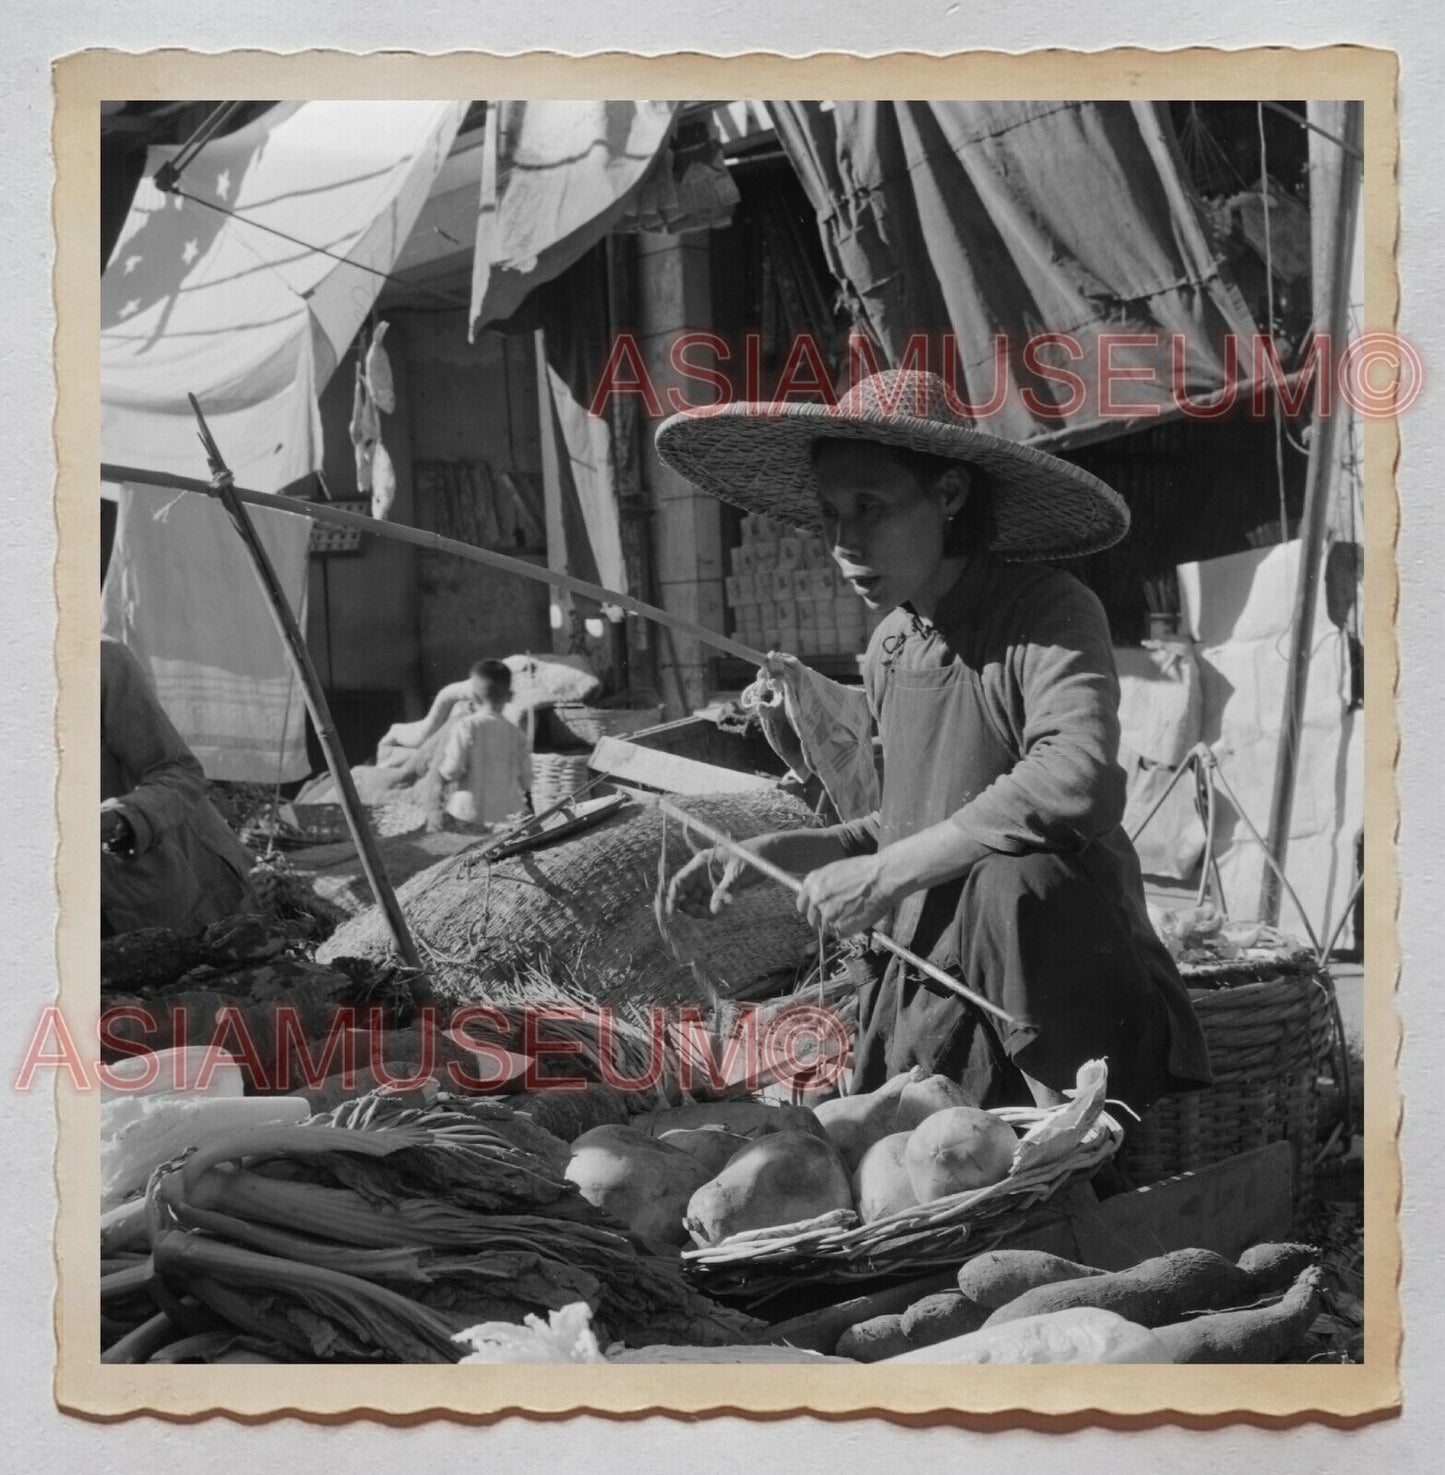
246 289
202 295
1020 218
556 177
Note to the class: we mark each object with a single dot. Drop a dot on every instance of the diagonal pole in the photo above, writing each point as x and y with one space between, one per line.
356 820
776 873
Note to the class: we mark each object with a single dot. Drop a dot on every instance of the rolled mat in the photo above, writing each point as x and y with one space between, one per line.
589 901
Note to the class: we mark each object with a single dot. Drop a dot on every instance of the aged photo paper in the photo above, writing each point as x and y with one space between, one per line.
92 84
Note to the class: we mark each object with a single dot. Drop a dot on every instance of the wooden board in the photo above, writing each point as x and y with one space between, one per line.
634 764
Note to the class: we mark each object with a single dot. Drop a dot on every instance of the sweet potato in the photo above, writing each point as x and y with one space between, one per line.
942 1315
1152 1293
1276 1267
874 1339
998 1277
779 1179
1259 1334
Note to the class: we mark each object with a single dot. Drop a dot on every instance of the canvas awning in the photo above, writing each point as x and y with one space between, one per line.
196 300
200 301
556 177
1020 218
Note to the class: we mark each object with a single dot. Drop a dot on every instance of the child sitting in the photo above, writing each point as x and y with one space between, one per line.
489 759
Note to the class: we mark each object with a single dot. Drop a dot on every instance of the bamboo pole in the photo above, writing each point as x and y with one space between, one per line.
776 873
1334 295
420 538
265 571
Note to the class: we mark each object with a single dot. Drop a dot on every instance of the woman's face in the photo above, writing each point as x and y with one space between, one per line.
886 533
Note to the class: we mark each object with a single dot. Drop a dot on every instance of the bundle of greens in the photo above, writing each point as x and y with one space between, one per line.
378 1232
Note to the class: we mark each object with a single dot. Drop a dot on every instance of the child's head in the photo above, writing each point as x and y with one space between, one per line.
491 684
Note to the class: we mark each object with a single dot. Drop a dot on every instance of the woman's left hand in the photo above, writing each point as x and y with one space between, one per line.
847 896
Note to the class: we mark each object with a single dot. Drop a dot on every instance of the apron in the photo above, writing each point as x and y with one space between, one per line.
905 1019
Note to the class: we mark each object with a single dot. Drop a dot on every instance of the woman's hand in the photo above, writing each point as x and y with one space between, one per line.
705 885
848 896
116 835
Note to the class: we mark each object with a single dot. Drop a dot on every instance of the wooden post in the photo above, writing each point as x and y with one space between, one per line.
1334 295
311 689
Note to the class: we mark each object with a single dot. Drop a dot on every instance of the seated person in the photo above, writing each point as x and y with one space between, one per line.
488 758
167 857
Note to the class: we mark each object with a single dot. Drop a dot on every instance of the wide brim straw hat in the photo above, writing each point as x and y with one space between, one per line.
759 456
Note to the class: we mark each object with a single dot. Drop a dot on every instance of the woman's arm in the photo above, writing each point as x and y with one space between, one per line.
1060 692
168 782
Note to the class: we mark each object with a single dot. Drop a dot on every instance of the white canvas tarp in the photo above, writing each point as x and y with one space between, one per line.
253 323
1239 610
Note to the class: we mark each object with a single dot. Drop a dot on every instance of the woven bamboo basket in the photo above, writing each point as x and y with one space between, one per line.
836 1249
589 901
589 725
1269 1028
556 776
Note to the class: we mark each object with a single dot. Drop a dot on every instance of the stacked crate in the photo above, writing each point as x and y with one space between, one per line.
785 593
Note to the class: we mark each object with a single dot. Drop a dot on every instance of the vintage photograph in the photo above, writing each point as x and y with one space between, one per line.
732 731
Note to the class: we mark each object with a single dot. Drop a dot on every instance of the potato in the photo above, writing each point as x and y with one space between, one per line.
778 1179
713 1147
641 1182
855 1123
956 1150
881 1186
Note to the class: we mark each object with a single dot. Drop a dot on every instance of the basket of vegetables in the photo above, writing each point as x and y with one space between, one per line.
756 1193
943 1183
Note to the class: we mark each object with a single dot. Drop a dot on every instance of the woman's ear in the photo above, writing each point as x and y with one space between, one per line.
954 486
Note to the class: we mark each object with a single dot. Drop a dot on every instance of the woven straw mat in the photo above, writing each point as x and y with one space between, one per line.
590 901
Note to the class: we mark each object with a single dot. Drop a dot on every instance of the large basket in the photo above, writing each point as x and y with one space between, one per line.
1268 1037
556 776
836 1249
589 725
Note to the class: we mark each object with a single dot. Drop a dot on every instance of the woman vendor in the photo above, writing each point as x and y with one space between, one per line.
996 851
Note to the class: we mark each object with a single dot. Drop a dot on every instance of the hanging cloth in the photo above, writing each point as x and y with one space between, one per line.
981 219
182 596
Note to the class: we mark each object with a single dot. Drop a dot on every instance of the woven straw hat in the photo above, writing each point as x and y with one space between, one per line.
759 457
